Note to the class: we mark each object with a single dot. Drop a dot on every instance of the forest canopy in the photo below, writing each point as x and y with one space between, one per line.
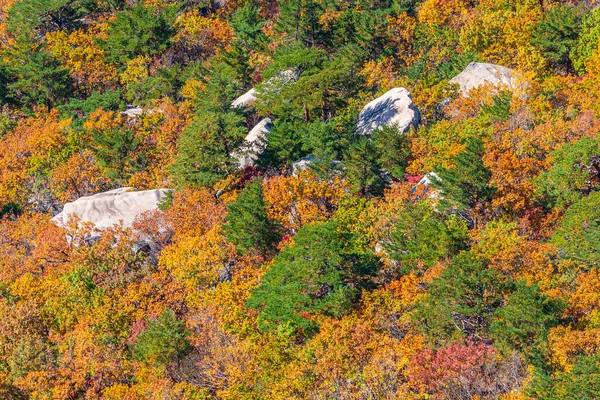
299 199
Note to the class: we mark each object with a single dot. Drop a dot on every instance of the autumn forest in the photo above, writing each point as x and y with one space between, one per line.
299 199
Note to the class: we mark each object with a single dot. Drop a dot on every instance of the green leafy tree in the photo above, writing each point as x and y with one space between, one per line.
37 78
466 186
572 174
248 226
164 340
139 31
116 151
32 19
363 168
582 381
300 20
247 25
316 275
587 42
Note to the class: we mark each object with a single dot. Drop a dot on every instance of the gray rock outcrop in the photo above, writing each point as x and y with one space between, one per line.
105 210
255 144
393 108
479 74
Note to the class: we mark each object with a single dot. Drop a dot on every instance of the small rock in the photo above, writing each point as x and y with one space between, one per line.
274 83
133 111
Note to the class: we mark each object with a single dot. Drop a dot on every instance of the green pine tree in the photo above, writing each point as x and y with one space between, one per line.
317 275
207 147
248 226
163 341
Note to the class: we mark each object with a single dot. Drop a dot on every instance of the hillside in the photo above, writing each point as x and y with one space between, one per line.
299 199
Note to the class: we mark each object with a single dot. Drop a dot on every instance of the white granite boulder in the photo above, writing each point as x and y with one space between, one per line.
274 83
245 100
479 74
302 164
255 143
393 108
133 111
107 209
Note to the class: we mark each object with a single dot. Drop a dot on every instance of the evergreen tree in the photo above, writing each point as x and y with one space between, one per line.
207 147
163 341
247 25
466 186
574 173
37 78
462 300
578 236
317 275
582 381
115 151
556 36
300 20
139 31
422 236
524 323
363 168
248 226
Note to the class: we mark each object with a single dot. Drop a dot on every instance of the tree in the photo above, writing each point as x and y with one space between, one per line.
578 236
524 323
315 276
582 381
574 173
114 145
587 42
462 300
363 168
164 340
466 185
422 236
556 35
138 31
247 26
300 20
38 79
248 226
207 147
463 370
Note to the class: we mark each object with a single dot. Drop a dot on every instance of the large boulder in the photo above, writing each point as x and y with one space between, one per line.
105 210
393 108
479 74
255 144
